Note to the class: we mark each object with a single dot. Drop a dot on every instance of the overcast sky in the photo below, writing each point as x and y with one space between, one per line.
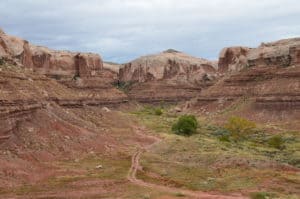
121 30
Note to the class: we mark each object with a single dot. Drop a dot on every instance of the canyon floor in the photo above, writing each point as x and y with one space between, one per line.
132 153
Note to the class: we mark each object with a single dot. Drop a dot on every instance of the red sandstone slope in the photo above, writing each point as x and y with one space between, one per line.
167 76
43 121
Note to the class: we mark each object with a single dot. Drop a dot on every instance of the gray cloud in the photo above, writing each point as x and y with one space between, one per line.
121 30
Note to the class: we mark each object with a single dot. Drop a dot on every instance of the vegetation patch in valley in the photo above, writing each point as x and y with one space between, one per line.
240 156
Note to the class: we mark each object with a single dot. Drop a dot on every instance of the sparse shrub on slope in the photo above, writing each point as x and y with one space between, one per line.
158 111
1 61
239 127
185 125
276 141
123 86
261 195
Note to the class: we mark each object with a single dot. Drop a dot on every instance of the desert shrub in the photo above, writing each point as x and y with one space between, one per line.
222 134
152 110
1 61
123 86
224 138
158 111
185 125
261 195
239 127
276 141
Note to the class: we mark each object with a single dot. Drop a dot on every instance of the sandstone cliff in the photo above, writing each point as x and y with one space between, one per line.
167 76
281 53
169 65
46 61
267 86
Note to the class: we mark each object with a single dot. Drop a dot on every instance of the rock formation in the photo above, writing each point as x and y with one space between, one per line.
268 84
78 80
46 61
171 65
167 76
281 53
232 59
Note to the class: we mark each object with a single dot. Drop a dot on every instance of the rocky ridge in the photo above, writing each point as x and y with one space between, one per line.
46 61
168 76
282 53
266 80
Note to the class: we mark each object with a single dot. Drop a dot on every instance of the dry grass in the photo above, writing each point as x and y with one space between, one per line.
203 162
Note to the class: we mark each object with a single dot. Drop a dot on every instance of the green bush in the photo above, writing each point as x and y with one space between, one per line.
185 125
158 111
276 141
260 195
240 127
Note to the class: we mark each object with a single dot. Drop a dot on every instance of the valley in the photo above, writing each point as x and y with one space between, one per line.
74 126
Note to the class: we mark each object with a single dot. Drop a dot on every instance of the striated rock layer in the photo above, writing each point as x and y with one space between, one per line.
264 82
168 76
24 93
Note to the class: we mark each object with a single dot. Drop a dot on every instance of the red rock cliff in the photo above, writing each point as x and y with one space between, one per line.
281 53
46 61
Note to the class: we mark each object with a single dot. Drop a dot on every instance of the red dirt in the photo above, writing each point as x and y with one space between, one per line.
135 165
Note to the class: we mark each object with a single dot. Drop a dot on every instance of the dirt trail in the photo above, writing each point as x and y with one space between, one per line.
135 165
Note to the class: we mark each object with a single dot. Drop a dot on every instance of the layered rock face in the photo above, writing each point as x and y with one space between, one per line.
168 76
46 61
77 80
269 83
168 65
283 53
23 93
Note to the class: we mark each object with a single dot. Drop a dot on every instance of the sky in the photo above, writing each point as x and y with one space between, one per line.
122 30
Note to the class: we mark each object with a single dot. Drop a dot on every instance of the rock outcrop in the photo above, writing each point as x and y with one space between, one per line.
232 59
281 53
46 61
269 83
168 76
76 80
169 65
23 93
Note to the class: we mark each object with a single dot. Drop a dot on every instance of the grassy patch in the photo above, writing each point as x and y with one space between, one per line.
159 123
212 161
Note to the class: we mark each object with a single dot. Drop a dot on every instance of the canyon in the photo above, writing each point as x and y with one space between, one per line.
65 115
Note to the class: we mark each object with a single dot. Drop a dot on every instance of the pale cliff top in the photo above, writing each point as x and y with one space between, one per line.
171 54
